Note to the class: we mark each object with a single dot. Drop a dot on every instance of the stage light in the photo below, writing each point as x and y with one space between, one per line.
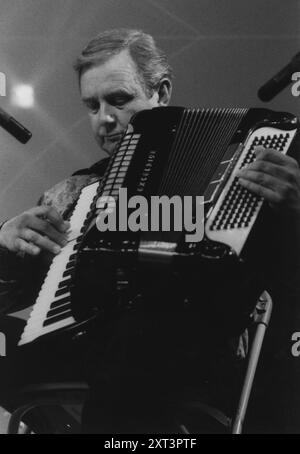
23 96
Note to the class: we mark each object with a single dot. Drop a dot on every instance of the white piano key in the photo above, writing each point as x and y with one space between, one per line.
48 329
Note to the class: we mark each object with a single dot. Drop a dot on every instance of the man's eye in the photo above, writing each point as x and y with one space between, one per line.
92 106
120 102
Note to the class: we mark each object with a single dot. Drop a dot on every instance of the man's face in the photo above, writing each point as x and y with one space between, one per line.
112 93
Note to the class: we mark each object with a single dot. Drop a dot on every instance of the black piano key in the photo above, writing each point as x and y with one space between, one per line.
64 283
69 272
62 291
60 302
57 318
70 264
58 310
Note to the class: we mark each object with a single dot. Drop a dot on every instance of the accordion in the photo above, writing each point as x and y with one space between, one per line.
175 151
182 152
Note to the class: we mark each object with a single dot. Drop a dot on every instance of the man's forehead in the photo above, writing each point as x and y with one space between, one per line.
117 72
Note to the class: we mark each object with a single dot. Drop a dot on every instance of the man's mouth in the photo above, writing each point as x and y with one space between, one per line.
109 142
113 137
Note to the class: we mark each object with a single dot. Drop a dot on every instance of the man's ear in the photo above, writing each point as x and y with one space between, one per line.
164 92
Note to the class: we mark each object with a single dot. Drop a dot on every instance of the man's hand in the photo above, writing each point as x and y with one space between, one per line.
36 229
276 178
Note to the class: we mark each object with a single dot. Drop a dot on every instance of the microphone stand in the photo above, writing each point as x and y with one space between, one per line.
281 80
15 128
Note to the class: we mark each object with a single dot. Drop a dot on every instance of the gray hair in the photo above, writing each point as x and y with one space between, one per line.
151 62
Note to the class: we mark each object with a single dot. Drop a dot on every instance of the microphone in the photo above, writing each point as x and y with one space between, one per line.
275 85
15 128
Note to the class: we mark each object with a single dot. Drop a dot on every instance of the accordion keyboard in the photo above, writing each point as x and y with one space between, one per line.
52 309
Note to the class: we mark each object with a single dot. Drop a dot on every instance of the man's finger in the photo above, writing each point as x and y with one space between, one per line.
52 215
271 155
23 247
41 241
282 173
261 191
262 179
57 221
45 228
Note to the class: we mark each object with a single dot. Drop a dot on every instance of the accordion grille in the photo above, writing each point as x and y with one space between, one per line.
201 141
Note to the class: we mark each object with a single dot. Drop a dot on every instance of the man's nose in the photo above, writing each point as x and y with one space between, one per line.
106 118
